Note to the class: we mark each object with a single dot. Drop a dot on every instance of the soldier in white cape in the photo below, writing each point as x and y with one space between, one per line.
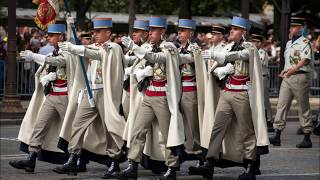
42 122
162 95
239 124
106 75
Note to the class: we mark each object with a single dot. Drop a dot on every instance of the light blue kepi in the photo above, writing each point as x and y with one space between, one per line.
241 22
141 24
56 28
102 23
159 22
187 24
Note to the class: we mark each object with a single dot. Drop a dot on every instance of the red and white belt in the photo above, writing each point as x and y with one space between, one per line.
189 84
59 88
237 83
156 88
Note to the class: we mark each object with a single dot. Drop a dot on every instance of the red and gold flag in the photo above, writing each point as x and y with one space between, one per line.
46 12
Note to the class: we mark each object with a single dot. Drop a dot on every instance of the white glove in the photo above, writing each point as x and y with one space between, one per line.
27 55
221 72
206 54
127 72
143 73
47 78
193 47
127 42
215 55
30 56
74 49
70 20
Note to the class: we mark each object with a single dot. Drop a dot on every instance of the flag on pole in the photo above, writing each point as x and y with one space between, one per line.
46 12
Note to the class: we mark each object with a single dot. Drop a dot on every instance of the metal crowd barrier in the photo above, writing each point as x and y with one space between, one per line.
26 78
26 72
274 81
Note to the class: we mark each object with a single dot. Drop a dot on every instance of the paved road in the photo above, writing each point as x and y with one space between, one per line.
283 163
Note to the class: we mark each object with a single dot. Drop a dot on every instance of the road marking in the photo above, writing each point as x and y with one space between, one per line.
12 156
10 139
302 174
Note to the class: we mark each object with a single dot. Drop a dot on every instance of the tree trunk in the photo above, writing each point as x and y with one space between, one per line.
185 9
82 7
132 14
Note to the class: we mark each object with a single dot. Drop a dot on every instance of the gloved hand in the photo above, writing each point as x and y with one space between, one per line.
47 78
127 42
74 49
215 55
143 73
70 20
193 47
30 56
221 72
27 55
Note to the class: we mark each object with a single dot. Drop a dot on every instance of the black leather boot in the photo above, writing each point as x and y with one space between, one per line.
275 140
300 131
257 169
70 167
131 172
306 143
82 165
28 165
170 174
270 126
206 170
249 174
112 171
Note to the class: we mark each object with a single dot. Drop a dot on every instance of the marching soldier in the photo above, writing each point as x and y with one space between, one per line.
189 102
257 40
105 73
162 91
239 123
139 36
210 89
296 84
49 102
218 32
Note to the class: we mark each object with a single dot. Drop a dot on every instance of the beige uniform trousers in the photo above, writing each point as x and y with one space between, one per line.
296 86
152 108
53 108
84 117
267 103
233 106
189 110
126 105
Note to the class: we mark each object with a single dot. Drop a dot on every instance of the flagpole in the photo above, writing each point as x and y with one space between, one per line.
91 101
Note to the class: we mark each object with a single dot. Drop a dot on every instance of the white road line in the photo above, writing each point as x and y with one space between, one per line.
10 139
13 156
302 174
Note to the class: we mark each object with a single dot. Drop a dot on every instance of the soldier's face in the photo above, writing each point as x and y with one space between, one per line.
85 41
53 39
155 34
184 35
217 37
138 36
295 30
101 35
257 44
236 33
